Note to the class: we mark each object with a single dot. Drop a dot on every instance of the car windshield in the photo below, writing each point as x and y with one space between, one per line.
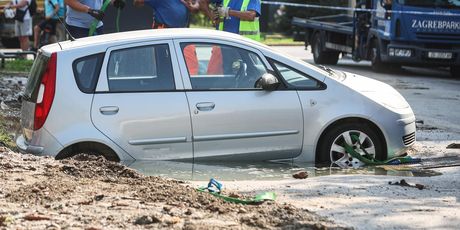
448 4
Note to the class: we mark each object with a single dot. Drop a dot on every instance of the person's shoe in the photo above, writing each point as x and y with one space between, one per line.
33 49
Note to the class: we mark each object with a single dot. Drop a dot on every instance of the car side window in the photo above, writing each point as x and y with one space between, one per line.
140 69
86 71
295 78
221 67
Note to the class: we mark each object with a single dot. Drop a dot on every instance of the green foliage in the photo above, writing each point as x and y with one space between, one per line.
18 65
200 21
5 138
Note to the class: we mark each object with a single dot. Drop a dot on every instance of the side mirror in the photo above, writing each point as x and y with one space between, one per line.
267 82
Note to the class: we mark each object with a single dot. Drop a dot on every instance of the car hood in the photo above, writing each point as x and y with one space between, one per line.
377 91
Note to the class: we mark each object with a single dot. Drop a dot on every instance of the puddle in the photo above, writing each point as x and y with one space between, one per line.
203 171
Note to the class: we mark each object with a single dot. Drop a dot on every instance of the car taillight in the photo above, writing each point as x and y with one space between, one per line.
46 93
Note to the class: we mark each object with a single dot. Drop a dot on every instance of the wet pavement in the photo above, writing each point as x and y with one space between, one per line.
265 171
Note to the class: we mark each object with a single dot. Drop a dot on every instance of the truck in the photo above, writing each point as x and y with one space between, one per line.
388 33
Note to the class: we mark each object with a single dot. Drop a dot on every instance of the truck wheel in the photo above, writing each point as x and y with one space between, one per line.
10 42
319 55
357 135
455 72
377 64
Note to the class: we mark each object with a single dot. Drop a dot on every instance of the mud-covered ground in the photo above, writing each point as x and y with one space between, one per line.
89 192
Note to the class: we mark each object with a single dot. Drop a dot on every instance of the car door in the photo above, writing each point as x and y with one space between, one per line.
140 104
230 117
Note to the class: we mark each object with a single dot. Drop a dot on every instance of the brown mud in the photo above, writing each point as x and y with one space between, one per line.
88 192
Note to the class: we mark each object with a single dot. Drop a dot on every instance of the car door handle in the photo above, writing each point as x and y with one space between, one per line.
205 106
109 110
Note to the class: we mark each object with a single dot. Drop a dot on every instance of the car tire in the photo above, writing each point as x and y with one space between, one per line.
90 149
319 55
331 147
376 61
455 72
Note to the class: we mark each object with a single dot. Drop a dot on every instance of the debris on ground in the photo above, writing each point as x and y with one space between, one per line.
405 184
89 192
300 175
453 146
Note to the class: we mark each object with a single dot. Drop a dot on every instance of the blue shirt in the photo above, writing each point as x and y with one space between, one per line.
83 19
232 24
49 9
172 13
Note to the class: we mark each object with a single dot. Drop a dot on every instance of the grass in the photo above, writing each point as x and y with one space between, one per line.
17 65
6 138
278 39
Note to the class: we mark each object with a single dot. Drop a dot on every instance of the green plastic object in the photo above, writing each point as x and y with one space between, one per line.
258 199
93 26
369 160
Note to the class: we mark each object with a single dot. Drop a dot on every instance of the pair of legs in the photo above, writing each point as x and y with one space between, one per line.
80 32
49 25
23 30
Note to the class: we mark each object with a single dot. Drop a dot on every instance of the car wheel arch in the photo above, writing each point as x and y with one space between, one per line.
89 147
349 120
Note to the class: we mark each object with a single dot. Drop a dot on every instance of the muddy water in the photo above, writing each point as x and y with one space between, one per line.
203 171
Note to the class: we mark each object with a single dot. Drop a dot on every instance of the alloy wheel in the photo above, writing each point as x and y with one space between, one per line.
359 141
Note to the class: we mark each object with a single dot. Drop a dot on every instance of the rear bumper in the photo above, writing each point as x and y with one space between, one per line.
40 141
24 147
420 57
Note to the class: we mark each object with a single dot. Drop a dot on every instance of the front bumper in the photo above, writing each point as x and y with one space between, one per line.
398 128
419 56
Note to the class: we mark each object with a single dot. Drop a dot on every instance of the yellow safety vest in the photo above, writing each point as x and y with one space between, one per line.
249 29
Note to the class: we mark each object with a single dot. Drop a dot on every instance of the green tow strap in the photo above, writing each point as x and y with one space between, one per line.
260 198
369 160
93 26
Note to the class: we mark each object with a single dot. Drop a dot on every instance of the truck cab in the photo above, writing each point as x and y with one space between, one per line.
417 32
388 33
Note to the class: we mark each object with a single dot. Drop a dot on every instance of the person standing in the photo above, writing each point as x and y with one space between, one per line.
54 9
236 16
167 14
23 29
81 13
173 14
240 17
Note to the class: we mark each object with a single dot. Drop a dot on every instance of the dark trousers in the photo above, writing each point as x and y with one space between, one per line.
79 32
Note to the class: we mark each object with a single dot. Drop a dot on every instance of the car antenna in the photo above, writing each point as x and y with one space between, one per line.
65 27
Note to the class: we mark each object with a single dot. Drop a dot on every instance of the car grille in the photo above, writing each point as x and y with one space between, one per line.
435 36
409 139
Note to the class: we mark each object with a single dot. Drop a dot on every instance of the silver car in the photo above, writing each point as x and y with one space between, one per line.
203 94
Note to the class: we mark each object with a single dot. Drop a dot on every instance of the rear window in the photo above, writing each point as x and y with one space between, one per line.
35 77
86 71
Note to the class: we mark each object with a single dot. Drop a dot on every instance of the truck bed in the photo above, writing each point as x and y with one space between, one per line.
340 23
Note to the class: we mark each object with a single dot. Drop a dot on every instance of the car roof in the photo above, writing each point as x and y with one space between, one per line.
154 34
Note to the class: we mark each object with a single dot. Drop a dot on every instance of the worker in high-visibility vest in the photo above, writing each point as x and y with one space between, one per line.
234 16
240 17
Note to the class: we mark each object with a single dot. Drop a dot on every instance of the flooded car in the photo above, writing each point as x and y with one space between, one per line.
181 94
